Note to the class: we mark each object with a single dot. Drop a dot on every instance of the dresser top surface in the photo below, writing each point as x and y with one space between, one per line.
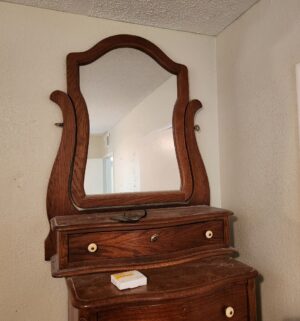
199 277
172 215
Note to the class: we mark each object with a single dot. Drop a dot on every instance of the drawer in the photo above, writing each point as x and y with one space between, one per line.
229 303
142 243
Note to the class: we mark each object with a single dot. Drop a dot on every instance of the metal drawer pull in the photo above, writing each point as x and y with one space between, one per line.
154 238
209 234
92 247
229 312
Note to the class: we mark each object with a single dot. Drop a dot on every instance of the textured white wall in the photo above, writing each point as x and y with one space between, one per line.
260 182
33 47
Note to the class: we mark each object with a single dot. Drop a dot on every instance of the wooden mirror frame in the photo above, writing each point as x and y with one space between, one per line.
66 195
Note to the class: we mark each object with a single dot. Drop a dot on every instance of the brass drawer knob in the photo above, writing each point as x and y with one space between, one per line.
92 247
209 234
154 238
229 312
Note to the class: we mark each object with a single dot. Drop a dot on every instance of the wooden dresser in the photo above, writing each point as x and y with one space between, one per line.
173 237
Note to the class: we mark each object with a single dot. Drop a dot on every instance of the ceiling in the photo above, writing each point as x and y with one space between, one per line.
207 17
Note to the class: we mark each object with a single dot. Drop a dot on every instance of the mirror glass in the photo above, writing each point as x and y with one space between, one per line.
130 100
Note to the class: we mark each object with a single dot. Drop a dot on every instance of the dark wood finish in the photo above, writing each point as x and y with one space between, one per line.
201 194
143 263
211 308
190 291
160 217
190 277
252 300
201 277
66 194
180 237
123 244
76 178
58 200
80 315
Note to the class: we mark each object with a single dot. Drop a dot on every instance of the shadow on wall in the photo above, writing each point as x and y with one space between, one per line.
259 281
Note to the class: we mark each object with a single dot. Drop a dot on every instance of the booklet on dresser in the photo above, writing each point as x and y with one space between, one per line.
128 279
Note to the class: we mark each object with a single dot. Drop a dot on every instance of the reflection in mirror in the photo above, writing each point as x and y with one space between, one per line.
130 101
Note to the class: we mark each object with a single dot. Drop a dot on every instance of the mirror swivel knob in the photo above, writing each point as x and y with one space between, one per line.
197 128
92 247
229 312
154 238
209 234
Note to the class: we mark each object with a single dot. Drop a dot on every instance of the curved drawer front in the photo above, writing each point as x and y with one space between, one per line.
214 307
147 242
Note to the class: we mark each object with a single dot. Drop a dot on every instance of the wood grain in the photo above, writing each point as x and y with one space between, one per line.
164 260
202 277
252 300
133 244
180 231
160 217
58 200
201 193
211 308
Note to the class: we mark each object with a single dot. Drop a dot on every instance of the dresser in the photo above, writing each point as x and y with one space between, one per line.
174 237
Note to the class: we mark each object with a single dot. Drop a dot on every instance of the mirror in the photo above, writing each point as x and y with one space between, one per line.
127 105
130 100
126 71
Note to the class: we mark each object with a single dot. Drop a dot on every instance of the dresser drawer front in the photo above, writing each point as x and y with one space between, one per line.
141 243
209 308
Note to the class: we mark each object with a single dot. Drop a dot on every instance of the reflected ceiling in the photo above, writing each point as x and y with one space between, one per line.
116 83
